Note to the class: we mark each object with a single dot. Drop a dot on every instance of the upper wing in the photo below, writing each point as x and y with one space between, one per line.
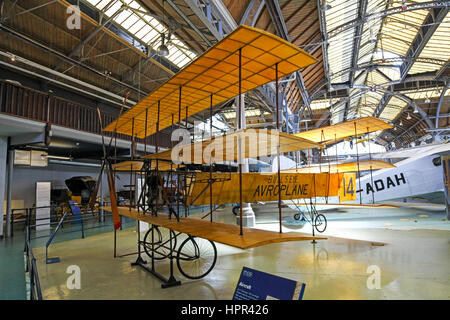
213 78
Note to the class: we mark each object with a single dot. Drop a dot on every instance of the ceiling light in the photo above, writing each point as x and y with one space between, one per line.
163 51
13 58
416 110
401 123
395 128
427 100
408 117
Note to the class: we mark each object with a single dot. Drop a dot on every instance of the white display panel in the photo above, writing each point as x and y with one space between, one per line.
22 157
43 190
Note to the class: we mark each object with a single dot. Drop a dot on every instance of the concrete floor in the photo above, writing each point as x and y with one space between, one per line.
411 250
12 269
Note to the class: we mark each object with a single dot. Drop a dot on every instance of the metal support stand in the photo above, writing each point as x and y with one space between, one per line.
115 243
313 211
312 223
166 283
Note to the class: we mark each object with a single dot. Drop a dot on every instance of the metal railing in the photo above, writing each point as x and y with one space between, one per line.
35 105
32 272
31 221
27 216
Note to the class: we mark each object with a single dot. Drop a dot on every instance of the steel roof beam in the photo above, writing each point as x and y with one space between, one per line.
97 29
65 58
276 16
441 99
362 8
388 12
216 18
204 13
189 22
323 29
358 36
426 31
252 12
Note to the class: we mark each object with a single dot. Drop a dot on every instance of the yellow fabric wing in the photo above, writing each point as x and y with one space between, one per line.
254 143
214 75
345 167
263 187
343 130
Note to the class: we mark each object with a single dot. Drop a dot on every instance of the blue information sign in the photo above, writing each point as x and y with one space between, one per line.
258 285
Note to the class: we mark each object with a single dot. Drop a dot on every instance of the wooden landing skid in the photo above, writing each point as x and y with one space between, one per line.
215 231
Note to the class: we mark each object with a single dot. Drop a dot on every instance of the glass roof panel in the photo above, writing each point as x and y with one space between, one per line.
399 30
146 28
437 47
341 46
136 27
113 9
425 93
322 104
392 109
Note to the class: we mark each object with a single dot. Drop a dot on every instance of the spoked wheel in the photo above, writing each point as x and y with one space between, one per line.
320 223
196 257
161 242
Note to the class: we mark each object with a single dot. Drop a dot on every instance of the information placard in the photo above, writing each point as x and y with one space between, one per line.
258 285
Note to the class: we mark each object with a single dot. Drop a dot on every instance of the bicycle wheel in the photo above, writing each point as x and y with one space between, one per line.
159 249
196 257
320 223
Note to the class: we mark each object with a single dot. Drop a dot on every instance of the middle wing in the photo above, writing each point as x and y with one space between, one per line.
344 167
339 131
254 143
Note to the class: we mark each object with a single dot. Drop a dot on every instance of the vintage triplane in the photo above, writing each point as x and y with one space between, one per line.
166 183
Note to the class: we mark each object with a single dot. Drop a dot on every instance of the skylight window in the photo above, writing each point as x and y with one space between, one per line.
145 28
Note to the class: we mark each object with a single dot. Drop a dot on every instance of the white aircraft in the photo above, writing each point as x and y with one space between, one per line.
419 174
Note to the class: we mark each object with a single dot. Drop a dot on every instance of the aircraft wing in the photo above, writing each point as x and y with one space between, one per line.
213 78
420 151
344 167
337 132
137 166
254 143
